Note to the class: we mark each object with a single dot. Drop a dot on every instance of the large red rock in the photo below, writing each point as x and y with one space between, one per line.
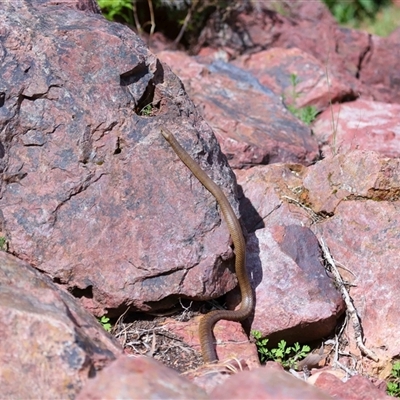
379 68
308 26
361 124
249 119
267 383
91 192
360 192
139 378
351 202
284 261
297 76
49 345
355 388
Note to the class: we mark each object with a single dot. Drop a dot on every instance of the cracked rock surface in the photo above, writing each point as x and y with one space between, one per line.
85 185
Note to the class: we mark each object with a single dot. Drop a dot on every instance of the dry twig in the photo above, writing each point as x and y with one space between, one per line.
349 303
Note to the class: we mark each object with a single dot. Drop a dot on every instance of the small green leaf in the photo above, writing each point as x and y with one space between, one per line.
105 321
3 243
305 349
296 347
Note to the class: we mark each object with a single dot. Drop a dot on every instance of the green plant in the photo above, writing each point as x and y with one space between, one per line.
117 8
294 81
306 114
261 345
285 355
105 322
354 11
147 110
393 385
3 244
384 22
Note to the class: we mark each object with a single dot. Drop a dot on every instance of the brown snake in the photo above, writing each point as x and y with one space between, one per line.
209 320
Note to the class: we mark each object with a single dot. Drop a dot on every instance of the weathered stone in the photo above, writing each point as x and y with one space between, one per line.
283 257
308 26
296 300
261 192
139 378
363 125
355 175
379 68
315 84
83 5
249 120
266 383
49 345
356 388
363 236
91 191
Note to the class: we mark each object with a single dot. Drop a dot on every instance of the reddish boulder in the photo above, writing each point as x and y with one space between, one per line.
266 383
363 125
291 285
379 69
356 388
249 120
91 190
351 202
49 345
139 378
296 75
360 192
355 175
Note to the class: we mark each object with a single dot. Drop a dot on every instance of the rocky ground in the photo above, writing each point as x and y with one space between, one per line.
294 117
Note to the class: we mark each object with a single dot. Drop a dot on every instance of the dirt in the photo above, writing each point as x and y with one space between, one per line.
146 335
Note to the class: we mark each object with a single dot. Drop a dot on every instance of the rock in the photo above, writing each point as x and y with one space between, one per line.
363 237
83 5
254 29
142 377
139 378
266 383
292 287
283 258
379 68
91 191
364 64
360 192
350 202
339 50
357 175
50 345
261 190
356 388
249 120
316 86
309 27
363 125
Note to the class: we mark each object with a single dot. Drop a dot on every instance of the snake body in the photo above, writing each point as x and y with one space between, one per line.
209 320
